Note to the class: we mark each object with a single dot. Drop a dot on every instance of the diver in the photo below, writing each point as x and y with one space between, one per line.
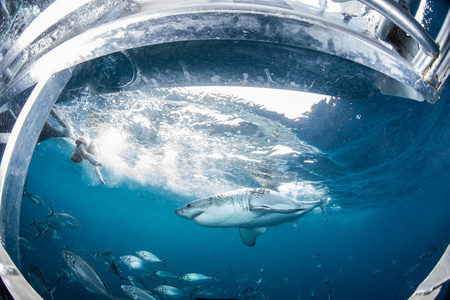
87 150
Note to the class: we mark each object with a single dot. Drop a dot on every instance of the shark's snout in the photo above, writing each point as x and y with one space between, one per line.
188 212
180 212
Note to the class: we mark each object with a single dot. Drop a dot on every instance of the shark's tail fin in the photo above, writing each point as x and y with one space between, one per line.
323 202
322 206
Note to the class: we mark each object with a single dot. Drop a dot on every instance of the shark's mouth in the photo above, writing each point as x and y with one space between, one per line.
196 215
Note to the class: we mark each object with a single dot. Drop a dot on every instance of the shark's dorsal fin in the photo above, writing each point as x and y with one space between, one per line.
249 235
276 210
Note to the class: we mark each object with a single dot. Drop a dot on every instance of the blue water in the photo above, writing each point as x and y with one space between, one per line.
383 165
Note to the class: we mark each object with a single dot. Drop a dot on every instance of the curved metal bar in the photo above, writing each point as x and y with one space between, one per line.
397 14
18 152
156 25
431 286
55 12
439 72
17 286
292 28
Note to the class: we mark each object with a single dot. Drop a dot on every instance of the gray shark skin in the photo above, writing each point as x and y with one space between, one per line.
250 209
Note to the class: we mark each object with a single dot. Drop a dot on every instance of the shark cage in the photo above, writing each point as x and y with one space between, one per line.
58 47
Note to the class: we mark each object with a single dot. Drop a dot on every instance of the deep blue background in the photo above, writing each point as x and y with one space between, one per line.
384 163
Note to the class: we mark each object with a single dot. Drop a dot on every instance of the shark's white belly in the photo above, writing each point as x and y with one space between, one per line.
235 216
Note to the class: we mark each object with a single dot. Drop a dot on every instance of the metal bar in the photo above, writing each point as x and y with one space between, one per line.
54 13
24 81
18 152
400 16
16 285
439 72
431 286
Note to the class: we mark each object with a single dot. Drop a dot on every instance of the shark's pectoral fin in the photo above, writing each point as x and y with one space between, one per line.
249 235
277 210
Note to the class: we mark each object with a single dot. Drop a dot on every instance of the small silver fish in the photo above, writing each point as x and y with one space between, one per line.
38 280
80 251
194 277
66 219
137 282
40 226
47 234
150 257
209 292
411 270
106 256
66 275
429 252
54 223
164 275
137 293
86 275
35 199
26 245
135 263
245 292
169 291
114 270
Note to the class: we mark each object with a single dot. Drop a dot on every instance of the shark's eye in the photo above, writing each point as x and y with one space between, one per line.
189 205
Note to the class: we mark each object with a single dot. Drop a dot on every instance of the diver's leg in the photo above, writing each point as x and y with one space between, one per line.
99 175
92 159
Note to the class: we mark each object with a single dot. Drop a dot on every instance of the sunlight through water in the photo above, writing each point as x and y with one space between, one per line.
197 141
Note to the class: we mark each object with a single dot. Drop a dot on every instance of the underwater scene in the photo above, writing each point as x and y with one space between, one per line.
346 200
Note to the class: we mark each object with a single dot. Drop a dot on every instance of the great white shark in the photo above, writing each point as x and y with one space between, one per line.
250 209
